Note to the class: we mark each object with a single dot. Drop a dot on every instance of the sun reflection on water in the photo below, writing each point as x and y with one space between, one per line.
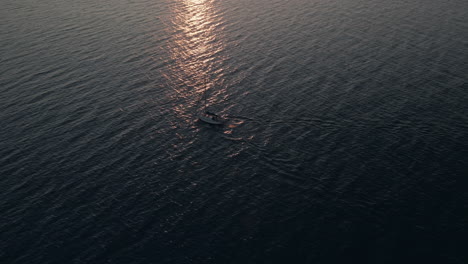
194 49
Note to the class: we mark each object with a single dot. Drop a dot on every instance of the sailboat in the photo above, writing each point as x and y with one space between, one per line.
209 117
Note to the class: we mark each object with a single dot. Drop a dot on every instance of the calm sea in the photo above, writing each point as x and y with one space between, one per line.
346 134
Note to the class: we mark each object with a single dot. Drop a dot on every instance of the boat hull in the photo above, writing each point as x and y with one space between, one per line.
210 120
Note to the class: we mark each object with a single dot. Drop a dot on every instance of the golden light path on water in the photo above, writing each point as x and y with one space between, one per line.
194 49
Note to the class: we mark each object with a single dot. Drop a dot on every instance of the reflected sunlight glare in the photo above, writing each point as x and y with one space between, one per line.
194 49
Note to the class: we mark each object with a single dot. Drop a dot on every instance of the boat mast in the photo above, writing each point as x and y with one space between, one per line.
205 98
204 95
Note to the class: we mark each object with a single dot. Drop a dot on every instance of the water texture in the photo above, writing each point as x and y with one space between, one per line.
346 137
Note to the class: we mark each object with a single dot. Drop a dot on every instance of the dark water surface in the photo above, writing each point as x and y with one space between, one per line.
346 140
